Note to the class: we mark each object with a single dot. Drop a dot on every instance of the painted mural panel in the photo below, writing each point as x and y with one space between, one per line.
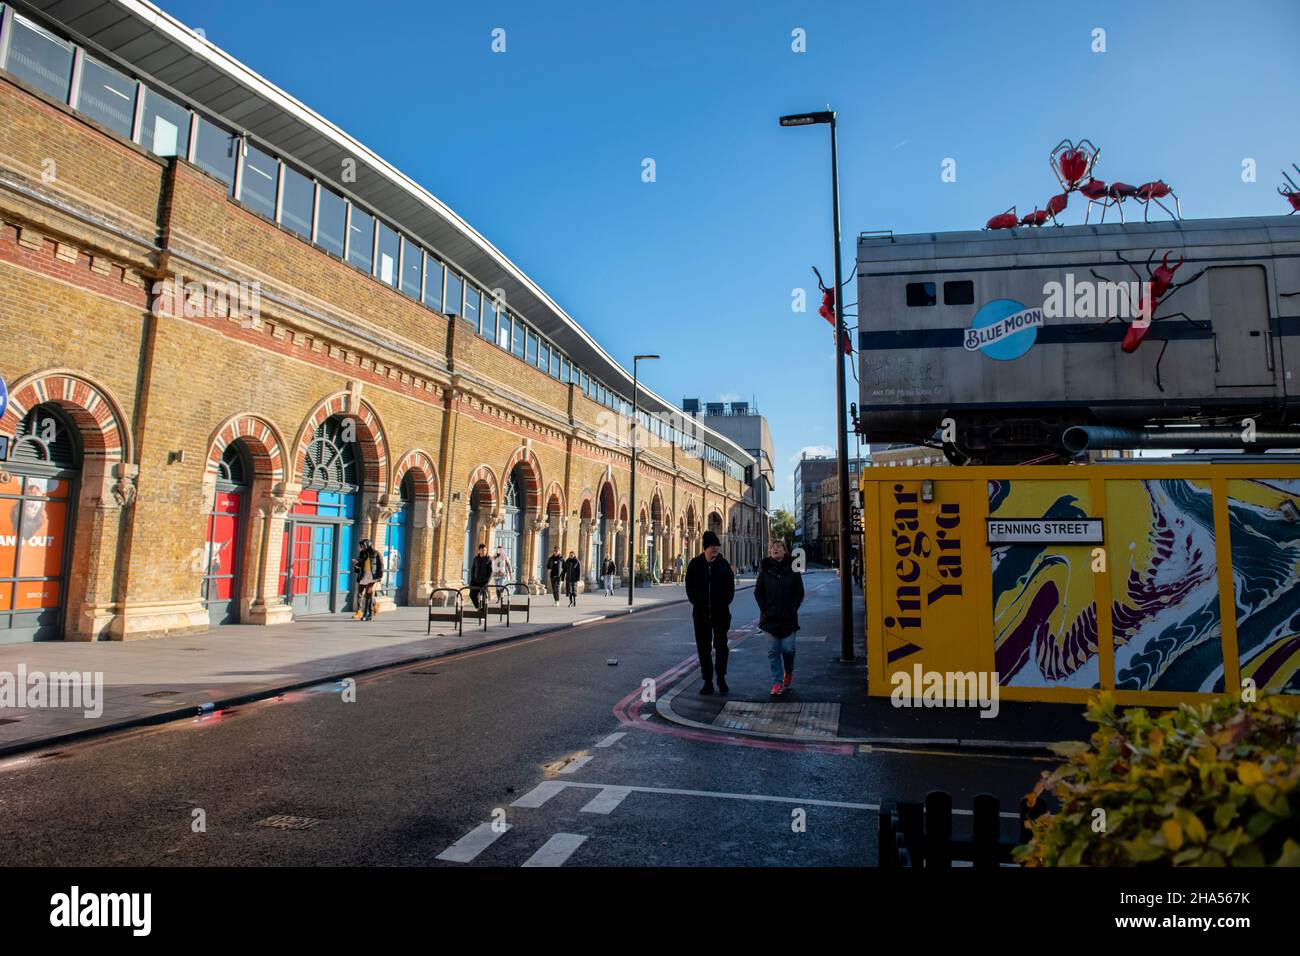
1044 595
1164 585
1266 581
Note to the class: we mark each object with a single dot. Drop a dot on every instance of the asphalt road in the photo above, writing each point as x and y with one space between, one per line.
428 756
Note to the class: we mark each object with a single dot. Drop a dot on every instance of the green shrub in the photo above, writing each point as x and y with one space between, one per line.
1216 784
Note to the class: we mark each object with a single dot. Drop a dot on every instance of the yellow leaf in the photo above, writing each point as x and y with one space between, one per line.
1173 833
1249 773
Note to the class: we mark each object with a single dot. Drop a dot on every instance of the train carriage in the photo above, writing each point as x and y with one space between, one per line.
1029 344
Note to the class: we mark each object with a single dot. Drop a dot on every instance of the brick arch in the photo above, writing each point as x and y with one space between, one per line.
423 472
608 492
692 521
532 477
482 475
105 435
657 512
555 494
587 506
715 525
371 437
260 437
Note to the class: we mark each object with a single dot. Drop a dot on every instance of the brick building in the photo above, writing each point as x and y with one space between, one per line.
236 342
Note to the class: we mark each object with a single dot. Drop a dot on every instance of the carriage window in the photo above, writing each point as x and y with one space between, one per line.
920 294
959 293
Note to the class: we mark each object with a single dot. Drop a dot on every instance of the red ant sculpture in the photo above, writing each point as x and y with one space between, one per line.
1149 193
1072 166
1291 191
1159 285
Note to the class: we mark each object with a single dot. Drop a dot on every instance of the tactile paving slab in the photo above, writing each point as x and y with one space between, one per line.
793 718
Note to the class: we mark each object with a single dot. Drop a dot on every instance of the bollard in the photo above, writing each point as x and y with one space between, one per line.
938 829
985 827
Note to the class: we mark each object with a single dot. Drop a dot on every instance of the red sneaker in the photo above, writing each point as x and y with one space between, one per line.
789 676
776 690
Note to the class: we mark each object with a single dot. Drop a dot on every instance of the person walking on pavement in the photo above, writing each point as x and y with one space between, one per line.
368 566
710 586
677 570
502 571
572 574
607 572
554 569
779 592
480 573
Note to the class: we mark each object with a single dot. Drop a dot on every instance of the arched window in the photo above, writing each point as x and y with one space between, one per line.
223 536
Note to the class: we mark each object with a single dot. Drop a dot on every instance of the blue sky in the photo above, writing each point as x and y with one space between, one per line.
541 147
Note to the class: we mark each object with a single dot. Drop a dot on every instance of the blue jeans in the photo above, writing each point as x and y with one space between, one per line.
780 654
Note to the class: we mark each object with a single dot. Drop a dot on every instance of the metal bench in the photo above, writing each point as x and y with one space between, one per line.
468 611
507 600
444 613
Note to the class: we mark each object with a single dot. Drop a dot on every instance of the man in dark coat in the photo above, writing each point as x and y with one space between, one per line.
572 575
554 569
480 573
368 566
710 586
779 592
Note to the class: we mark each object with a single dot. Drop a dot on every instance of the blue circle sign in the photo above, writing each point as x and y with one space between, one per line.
1004 329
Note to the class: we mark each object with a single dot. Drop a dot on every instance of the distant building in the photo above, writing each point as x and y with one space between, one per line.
742 423
811 475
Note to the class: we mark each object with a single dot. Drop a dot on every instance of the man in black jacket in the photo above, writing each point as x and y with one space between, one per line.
554 568
710 586
368 566
480 573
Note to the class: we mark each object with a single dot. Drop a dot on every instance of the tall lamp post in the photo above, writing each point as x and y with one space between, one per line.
631 512
827 117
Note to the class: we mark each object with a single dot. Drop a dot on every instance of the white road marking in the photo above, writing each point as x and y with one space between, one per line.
612 739
607 800
577 764
539 794
556 850
473 843
722 795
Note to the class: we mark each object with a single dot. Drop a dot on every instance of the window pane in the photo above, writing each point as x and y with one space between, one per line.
257 191
543 356
920 294
503 331
489 319
961 292
386 261
517 343
165 129
530 353
295 207
432 283
361 239
452 304
471 306
107 96
412 268
331 221
555 364
40 58
215 149
564 370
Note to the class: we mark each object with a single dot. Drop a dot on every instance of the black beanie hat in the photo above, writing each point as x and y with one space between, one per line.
710 539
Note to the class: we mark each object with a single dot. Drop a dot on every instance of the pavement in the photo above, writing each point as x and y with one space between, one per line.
827 701
162 679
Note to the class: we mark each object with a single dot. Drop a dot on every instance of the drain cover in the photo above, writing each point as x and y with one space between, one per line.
812 719
285 821
423 673
163 693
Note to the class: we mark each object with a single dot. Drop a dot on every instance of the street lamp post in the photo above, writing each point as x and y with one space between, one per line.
631 512
841 413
